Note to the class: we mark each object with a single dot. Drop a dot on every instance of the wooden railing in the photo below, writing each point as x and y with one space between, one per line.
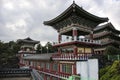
36 75
80 40
54 73
71 56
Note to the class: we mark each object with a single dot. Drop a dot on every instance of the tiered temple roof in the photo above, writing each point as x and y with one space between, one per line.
75 15
108 34
108 26
106 30
27 40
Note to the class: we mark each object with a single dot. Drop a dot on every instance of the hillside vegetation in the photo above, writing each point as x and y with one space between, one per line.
111 72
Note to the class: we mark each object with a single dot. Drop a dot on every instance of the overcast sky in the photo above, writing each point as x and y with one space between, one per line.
24 18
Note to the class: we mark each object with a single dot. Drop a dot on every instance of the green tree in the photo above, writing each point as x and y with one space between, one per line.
39 49
8 53
111 72
50 48
110 50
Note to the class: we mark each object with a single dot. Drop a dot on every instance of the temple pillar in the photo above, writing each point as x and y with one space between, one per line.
59 50
92 50
91 35
59 38
74 68
75 34
75 50
58 68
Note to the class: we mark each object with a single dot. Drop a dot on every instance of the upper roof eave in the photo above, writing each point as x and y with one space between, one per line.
106 25
70 10
103 26
27 40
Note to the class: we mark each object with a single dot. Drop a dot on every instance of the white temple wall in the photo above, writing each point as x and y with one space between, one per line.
88 69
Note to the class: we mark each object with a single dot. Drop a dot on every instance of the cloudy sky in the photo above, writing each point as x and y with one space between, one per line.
24 18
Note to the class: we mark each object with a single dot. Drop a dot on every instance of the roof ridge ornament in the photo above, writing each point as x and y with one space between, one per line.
73 4
73 1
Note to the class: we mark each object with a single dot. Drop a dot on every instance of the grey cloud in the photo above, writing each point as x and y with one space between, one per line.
34 12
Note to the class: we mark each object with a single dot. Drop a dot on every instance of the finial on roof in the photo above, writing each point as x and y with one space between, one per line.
73 1
73 4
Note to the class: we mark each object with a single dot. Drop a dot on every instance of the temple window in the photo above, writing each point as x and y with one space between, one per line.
80 50
67 50
55 67
88 50
47 65
66 68
42 65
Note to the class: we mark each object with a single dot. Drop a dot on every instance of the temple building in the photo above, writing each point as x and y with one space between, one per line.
108 36
27 49
74 51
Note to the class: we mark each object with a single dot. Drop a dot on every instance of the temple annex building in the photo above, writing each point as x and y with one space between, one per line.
83 39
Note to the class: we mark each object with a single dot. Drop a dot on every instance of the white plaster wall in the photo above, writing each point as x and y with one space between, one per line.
93 69
88 69
82 69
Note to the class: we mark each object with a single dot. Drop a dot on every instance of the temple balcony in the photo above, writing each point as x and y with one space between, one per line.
27 52
53 73
79 40
71 56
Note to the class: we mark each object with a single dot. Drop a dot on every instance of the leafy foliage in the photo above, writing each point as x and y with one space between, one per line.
111 72
48 48
110 50
8 52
